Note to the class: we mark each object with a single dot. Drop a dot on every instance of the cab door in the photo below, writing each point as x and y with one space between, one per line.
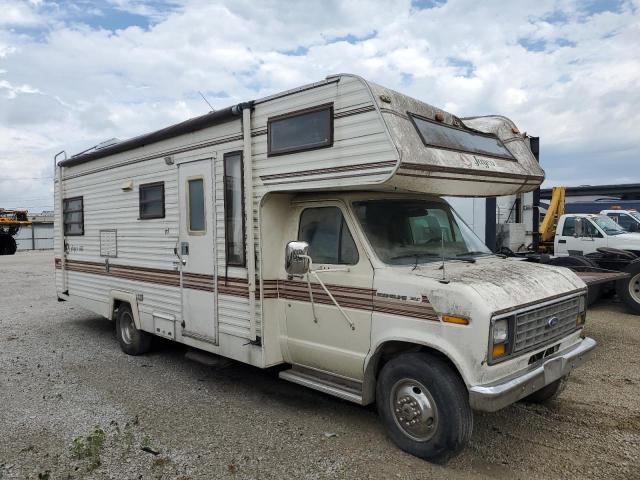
318 335
196 250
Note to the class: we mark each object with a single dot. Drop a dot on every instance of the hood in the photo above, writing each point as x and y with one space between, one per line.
507 283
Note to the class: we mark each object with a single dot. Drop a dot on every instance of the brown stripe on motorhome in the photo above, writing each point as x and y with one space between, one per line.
348 297
464 171
321 171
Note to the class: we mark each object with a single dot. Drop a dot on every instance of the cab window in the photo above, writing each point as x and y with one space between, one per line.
328 236
569 228
625 221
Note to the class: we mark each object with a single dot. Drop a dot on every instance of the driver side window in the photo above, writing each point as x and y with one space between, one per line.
328 236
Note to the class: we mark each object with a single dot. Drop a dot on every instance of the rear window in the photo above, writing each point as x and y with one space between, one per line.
438 135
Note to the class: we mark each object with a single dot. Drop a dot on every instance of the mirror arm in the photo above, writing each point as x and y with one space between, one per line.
324 287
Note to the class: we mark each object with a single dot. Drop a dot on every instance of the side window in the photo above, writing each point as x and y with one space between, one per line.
625 221
73 216
234 209
197 221
569 228
590 229
328 236
151 200
299 131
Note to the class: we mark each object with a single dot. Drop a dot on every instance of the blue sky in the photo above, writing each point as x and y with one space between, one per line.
74 73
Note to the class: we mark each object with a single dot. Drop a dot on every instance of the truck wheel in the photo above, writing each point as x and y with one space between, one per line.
628 289
11 246
132 341
549 392
425 406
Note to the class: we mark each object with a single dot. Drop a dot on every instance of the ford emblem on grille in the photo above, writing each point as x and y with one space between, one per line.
552 322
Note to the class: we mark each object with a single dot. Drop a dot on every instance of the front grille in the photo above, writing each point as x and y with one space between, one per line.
533 327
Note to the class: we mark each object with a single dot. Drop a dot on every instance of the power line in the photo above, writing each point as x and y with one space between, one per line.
25 178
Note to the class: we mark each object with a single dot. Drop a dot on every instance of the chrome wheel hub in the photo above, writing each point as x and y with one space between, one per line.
414 409
127 328
634 288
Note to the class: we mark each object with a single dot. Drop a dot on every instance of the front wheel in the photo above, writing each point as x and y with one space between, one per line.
425 406
132 341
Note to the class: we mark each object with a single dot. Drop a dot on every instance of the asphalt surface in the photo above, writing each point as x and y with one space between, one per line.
72 405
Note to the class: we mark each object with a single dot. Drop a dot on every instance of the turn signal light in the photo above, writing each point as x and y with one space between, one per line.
581 318
498 350
455 319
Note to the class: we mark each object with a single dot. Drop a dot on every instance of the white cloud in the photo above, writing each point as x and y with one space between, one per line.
67 81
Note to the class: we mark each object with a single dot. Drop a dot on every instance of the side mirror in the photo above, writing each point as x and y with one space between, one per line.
633 227
296 261
580 228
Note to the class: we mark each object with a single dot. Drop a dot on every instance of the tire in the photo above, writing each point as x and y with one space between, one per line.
11 246
132 341
628 289
593 291
549 392
407 387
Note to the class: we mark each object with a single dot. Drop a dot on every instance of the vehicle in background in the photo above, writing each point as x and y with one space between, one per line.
11 221
596 206
627 219
307 230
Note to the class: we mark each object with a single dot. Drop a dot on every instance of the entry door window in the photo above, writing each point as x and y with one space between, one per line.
234 209
197 222
328 236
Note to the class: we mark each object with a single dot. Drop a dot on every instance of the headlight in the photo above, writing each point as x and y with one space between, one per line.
500 331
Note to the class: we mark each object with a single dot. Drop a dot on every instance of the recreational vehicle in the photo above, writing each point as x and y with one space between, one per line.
306 230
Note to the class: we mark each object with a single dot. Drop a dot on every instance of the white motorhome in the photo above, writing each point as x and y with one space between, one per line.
306 229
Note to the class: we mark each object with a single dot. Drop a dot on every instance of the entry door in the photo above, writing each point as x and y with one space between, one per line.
196 249
327 341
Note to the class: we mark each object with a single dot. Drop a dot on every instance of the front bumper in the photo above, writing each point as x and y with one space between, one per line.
497 395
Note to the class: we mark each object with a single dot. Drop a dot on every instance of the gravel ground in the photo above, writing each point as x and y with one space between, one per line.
73 406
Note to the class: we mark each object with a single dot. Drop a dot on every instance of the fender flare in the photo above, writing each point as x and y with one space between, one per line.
373 358
126 297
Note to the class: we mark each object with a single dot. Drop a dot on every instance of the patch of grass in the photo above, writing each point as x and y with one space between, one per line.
89 447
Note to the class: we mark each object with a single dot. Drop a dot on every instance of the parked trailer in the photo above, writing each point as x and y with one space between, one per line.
307 229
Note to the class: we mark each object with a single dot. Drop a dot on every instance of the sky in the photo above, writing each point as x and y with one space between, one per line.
76 73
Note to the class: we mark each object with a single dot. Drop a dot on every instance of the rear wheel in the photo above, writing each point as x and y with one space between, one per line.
628 289
425 406
132 341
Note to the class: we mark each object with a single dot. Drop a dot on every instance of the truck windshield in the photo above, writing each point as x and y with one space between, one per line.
608 225
405 232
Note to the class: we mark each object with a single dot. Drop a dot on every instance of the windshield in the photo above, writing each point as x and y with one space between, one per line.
406 232
635 214
608 225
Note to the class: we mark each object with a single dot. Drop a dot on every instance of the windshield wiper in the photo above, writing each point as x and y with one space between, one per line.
432 255
464 254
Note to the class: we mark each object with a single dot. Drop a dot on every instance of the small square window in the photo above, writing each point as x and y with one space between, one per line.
151 200
299 131
73 216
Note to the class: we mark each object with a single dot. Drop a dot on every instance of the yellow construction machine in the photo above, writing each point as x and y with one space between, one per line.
11 221
550 222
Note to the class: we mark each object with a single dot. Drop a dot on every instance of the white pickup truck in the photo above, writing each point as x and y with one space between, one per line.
627 219
597 231
584 238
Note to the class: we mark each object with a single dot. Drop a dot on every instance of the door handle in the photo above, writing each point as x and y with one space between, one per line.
562 241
